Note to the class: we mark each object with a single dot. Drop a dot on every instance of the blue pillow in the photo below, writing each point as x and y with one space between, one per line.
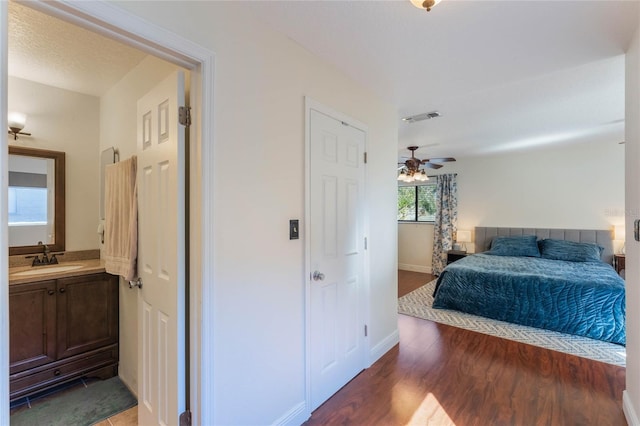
524 245
570 251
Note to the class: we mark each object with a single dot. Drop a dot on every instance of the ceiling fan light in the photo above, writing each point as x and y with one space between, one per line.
401 176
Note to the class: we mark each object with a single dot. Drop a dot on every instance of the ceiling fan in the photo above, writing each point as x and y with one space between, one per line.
410 170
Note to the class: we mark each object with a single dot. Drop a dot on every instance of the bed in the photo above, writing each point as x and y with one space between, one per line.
560 280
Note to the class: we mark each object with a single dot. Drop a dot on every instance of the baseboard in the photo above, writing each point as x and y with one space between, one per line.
128 385
296 416
415 268
629 412
383 347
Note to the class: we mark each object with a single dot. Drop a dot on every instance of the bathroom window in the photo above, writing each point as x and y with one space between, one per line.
28 201
27 206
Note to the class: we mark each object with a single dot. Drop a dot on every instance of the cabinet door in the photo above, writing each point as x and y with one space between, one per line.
87 313
32 325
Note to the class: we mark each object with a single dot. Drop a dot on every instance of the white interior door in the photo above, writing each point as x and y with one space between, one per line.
336 254
161 262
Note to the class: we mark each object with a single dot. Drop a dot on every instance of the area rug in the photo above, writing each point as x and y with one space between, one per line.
419 303
81 406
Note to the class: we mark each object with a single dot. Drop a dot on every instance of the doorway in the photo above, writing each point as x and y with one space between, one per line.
113 22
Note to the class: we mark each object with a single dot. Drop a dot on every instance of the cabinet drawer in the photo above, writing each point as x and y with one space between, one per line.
40 378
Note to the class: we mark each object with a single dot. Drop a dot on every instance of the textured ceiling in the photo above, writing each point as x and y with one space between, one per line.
504 74
50 51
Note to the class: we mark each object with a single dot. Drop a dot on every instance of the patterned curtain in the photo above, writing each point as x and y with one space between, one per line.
446 222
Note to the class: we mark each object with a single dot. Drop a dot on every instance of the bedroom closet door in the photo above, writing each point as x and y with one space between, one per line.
161 257
337 244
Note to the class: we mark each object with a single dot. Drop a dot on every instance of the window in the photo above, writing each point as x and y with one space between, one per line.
417 203
27 198
27 205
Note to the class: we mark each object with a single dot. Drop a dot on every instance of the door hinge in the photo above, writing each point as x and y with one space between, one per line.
365 158
185 418
366 331
365 243
184 115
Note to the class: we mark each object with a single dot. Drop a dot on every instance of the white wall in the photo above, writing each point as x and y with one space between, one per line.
118 130
415 247
62 120
261 80
631 395
568 186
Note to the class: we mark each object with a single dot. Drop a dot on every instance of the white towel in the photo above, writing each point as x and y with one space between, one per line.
121 219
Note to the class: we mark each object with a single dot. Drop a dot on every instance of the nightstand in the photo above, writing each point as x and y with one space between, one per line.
453 255
619 264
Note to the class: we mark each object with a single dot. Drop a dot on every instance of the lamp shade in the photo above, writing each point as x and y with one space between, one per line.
463 236
16 120
618 232
424 4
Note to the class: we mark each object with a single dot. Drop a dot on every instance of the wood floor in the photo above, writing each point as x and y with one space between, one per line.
442 375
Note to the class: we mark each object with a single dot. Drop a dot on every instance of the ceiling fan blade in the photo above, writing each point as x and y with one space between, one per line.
432 165
441 160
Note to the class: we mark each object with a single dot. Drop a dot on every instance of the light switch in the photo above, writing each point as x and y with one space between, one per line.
294 231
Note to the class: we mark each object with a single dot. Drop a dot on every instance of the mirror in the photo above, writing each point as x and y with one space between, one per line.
36 200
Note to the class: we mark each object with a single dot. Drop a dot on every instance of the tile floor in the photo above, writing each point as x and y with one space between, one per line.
126 418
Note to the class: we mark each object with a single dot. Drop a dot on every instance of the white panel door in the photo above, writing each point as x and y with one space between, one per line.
337 254
161 264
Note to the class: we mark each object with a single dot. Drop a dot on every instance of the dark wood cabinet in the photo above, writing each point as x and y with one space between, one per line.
32 330
61 330
619 264
453 255
87 314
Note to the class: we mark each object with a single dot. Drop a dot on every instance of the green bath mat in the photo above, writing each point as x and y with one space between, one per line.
82 406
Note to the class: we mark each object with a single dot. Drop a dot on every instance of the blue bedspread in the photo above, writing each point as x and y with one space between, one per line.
582 298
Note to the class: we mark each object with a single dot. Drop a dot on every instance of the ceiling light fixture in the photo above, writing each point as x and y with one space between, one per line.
424 4
409 176
16 122
412 169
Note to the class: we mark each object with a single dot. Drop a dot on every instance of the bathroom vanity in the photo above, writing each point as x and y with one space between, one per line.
63 325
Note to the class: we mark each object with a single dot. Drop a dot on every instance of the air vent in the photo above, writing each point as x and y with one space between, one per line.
420 117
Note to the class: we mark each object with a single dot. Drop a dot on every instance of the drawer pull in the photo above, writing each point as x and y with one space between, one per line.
62 290
56 373
51 292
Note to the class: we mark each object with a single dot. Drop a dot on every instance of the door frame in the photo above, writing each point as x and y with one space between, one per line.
109 20
312 104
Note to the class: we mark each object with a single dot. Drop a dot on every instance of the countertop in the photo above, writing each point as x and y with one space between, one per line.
92 266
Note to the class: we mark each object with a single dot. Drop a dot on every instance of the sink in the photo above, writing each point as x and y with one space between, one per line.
46 270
